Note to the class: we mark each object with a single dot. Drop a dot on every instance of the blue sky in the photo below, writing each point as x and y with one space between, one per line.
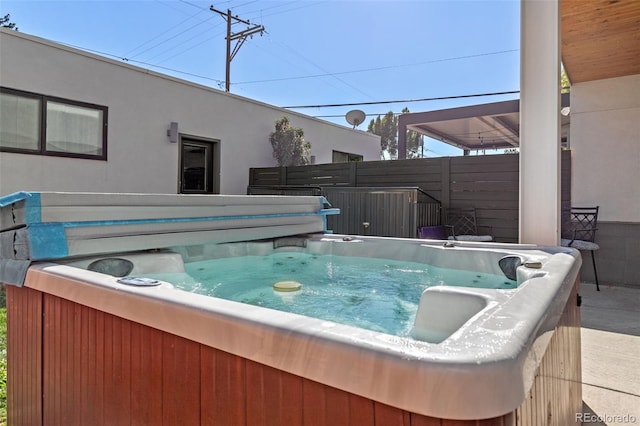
313 52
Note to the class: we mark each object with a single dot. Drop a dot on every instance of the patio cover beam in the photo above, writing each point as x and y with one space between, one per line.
432 133
503 129
509 131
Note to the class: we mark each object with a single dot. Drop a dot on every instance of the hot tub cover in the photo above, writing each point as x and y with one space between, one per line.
55 225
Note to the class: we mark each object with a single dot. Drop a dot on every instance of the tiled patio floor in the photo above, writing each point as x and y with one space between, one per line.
610 355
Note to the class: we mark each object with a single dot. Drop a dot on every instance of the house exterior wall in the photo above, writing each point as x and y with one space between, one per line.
605 140
605 145
142 104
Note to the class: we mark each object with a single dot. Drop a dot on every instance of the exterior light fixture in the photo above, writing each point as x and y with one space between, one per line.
172 132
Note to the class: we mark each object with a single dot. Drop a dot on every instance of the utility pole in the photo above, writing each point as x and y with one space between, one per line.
240 36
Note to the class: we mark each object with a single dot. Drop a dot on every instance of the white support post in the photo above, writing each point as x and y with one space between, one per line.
540 122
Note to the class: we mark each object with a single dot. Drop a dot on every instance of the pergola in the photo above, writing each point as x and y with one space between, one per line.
473 128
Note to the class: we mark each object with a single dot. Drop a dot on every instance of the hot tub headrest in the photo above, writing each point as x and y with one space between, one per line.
509 264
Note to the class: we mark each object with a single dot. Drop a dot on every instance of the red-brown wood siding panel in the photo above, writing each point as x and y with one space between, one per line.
274 397
117 381
24 356
418 420
78 365
387 415
222 390
146 374
324 405
104 370
180 381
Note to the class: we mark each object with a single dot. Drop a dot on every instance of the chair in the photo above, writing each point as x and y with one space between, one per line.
463 226
579 225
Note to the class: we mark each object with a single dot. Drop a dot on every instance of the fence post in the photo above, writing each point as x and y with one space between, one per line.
283 175
353 173
445 181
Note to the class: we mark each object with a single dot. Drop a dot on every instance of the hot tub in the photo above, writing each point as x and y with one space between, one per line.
107 347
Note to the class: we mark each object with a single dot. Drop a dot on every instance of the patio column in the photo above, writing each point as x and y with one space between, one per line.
540 122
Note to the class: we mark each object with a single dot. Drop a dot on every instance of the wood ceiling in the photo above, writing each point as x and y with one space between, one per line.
600 38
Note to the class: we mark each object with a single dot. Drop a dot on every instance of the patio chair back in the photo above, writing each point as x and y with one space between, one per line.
579 226
580 223
462 224
463 221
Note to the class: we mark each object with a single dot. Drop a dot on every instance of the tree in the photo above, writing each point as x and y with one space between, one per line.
6 22
387 128
289 146
414 142
565 84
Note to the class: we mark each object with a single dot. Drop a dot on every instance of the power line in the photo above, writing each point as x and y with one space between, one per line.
192 4
162 33
182 49
172 37
334 75
299 5
285 58
185 50
244 4
404 101
378 68
326 73
219 82
201 9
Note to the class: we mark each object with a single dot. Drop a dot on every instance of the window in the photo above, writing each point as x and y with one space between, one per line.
39 124
345 157
19 122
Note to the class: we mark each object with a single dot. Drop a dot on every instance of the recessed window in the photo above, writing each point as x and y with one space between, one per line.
345 157
39 124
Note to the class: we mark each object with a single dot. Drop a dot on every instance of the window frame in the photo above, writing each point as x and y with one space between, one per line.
42 131
213 160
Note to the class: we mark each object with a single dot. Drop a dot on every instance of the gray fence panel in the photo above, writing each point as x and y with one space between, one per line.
490 183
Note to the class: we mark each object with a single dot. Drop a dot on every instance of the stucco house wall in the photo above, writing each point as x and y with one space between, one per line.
605 144
605 140
141 105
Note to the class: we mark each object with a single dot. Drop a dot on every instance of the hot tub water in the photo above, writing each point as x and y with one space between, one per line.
376 294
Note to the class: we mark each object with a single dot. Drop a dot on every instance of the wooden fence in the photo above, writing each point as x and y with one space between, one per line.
490 183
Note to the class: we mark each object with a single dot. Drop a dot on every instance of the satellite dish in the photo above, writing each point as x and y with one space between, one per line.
355 117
